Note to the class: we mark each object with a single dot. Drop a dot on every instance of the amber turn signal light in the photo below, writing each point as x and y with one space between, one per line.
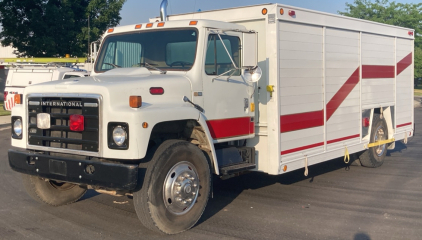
135 101
18 99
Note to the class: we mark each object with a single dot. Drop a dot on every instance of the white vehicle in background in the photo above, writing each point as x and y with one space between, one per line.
23 75
269 88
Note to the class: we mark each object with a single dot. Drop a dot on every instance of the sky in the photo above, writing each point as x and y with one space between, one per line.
139 11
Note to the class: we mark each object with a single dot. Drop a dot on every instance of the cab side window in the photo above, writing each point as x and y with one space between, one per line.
217 60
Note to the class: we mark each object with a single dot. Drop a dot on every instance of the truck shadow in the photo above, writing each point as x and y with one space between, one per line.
226 191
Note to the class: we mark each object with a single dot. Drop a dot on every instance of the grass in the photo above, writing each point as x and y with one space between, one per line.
2 111
418 91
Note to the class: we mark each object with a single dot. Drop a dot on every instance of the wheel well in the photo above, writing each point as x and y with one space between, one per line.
188 130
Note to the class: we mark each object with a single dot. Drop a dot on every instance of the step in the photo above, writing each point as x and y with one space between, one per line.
237 168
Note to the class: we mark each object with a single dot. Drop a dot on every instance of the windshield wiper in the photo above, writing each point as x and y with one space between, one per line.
147 65
113 65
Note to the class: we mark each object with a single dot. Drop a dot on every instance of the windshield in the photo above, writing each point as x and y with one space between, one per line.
168 50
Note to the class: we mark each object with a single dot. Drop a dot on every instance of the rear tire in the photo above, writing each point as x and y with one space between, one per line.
51 192
374 157
176 188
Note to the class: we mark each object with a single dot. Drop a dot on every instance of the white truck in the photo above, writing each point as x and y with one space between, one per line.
22 75
177 100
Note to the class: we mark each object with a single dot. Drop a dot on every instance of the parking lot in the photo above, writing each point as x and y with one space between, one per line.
333 202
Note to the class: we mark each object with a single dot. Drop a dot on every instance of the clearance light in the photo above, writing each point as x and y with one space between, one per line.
410 33
135 101
264 11
156 91
149 25
161 24
365 122
5 95
18 98
292 13
145 125
110 30
138 26
252 107
281 11
76 123
285 168
193 22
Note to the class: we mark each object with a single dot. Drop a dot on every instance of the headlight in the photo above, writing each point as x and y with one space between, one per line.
119 135
17 127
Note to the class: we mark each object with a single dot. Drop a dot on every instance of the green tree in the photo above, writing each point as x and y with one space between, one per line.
47 28
407 15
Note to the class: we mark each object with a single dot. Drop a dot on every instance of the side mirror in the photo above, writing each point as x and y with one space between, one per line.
250 50
253 74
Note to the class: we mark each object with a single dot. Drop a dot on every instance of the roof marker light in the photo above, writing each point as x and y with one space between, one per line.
264 11
161 24
193 22
110 30
281 11
138 26
149 25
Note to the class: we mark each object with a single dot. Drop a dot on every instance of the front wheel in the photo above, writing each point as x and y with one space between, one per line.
175 189
51 192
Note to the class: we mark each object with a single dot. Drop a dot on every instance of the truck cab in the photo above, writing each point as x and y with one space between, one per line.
161 95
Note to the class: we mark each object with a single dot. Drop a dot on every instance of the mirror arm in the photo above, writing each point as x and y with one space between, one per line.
227 51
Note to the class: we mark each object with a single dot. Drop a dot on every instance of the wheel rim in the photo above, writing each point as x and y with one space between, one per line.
379 136
181 188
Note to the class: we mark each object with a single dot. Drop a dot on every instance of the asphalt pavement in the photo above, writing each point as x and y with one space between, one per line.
334 202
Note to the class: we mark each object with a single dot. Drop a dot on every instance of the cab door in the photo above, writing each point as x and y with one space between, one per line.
227 97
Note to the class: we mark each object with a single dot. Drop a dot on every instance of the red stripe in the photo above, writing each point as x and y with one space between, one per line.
374 71
251 127
225 128
300 121
343 139
404 125
342 94
302 148
404 63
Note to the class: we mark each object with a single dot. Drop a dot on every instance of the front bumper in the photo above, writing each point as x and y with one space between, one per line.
112 176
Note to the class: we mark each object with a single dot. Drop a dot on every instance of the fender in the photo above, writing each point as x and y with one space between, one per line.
204 126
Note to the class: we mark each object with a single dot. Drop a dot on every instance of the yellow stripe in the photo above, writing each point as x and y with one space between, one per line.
43 60
379 143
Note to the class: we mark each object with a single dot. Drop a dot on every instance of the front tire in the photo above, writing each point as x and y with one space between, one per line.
175 189
51 192
374 157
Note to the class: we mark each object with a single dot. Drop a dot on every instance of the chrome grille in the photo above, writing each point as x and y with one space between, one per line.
59 134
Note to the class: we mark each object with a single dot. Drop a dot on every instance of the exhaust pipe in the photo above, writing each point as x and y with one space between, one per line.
163 10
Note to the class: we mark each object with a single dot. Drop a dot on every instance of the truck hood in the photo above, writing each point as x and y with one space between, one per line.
116 85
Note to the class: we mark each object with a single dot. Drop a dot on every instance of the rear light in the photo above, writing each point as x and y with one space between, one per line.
76 123
365 122
5 95
156 91
292 13
135 101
